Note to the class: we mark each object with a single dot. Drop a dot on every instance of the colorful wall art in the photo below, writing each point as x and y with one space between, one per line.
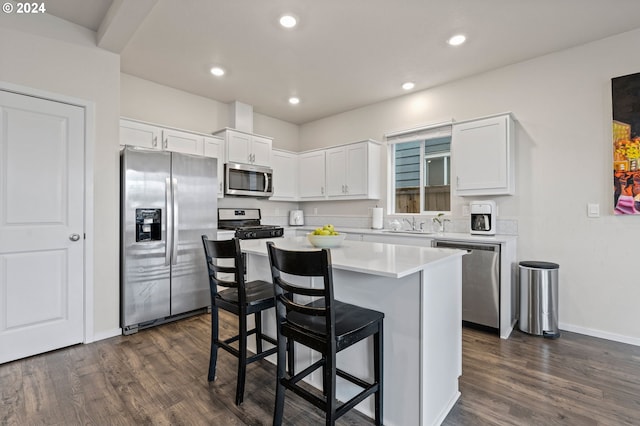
625 93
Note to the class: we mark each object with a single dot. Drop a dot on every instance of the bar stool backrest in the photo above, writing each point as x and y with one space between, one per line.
313 264
219 273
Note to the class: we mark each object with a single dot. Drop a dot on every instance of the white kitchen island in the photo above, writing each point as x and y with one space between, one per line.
419 291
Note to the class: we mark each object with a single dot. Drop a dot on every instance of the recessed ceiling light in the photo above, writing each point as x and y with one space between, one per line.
288 21
294 100
408 85
457 40
217 71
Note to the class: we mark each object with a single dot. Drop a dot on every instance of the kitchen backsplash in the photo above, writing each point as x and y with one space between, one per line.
459 224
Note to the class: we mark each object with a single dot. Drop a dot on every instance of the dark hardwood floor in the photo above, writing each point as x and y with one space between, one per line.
159 376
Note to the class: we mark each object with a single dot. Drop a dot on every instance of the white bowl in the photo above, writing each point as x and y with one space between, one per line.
326 241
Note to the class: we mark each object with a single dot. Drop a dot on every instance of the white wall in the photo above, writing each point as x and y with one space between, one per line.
562 103
48 54
148 101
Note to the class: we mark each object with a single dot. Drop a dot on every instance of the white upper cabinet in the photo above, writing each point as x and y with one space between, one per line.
214 148
346 172
144 135
186 143
285 175
246 148
134 133
312 175
482 156
353 171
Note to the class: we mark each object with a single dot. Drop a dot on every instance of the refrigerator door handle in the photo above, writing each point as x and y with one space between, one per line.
168 208
174 248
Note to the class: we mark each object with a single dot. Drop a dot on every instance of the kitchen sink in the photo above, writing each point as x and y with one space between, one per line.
407 231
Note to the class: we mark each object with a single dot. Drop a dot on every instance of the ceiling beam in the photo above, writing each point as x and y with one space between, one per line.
121 22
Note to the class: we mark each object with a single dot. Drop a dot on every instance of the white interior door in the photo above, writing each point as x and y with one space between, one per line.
41 225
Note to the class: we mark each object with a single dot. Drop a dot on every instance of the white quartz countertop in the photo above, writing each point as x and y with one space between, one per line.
388 260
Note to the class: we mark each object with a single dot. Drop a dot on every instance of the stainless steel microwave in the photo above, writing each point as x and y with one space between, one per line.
248 180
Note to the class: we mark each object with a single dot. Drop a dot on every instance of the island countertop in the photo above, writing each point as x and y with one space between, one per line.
386 260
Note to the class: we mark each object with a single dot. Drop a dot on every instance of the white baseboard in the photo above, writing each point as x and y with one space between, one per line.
600 334
105 335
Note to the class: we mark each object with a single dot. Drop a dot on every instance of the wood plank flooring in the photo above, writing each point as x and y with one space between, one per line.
159 376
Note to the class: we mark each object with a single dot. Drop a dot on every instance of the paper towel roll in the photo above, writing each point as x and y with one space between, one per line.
376 218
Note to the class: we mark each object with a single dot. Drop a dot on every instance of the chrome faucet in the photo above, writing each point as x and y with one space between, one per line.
412 222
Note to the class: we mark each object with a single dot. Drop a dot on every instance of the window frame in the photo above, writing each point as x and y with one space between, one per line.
420 134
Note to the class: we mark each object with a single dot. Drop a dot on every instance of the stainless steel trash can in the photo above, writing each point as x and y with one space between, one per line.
539 298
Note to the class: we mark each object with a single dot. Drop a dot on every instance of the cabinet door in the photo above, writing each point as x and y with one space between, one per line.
336 172
356 170
285 175
312 175
482 156
139 134
186 143
238 147
214 148
261 151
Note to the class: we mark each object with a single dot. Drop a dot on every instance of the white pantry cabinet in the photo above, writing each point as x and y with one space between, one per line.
214 148
285 175
352 171
482 155
246 148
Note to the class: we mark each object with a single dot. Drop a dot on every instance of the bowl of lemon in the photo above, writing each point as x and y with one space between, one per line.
326 237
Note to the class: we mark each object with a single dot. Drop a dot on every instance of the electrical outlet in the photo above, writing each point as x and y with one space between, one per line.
315 210
593 210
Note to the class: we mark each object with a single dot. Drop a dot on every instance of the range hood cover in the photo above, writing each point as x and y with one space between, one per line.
241 116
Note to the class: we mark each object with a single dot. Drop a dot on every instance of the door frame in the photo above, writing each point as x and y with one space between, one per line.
89 142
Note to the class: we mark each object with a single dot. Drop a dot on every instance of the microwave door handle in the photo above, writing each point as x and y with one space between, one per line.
266 182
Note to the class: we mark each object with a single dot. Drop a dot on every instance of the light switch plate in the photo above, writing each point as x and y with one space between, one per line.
593 210
465 210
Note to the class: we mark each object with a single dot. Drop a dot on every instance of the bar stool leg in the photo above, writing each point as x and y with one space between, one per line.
330 387
278 411
258 321
378 371
242 358
213 357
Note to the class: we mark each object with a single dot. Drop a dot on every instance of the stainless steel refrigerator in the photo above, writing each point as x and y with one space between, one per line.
168 200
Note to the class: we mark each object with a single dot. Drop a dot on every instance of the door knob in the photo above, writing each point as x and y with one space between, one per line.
74 237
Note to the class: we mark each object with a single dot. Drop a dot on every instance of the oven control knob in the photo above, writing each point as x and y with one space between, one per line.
251 234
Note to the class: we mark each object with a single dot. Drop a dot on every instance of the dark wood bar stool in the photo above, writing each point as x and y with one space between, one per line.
325 325
239 298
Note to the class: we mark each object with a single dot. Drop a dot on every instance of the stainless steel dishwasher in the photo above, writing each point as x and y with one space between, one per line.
480 282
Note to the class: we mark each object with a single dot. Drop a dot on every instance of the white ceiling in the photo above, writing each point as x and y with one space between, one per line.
344 53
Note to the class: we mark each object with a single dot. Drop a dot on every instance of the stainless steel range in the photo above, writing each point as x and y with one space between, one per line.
246 223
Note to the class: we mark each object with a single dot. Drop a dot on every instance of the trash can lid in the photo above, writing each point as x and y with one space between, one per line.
539 265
